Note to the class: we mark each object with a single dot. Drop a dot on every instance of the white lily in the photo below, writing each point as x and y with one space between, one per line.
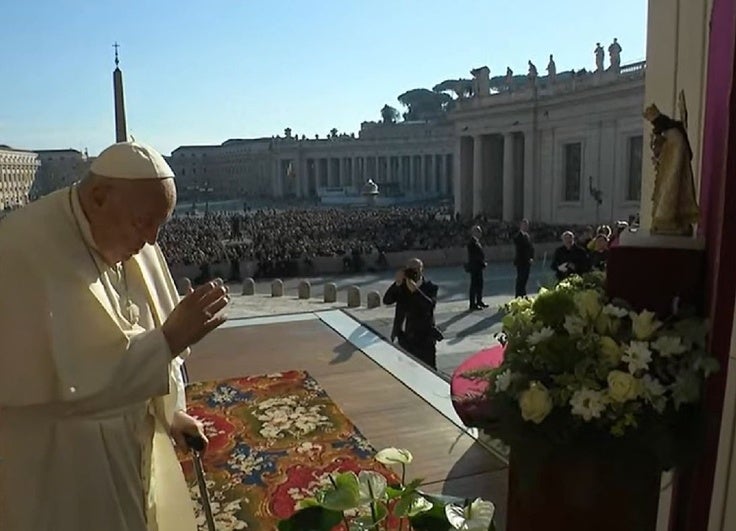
540 335
394 456
475 517
372 486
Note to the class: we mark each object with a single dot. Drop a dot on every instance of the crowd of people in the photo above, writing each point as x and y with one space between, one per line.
279 239
586 251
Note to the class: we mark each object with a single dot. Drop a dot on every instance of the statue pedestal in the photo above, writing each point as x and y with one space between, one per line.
652 271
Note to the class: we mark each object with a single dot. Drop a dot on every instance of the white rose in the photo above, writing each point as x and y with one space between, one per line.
535 403
611 350
615 311
669 345
588 304
541 335
574 325
622 386
644 324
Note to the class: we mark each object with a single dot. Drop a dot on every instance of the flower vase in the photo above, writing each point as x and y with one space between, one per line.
582 491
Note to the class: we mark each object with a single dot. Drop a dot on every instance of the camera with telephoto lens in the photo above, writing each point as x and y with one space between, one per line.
411 274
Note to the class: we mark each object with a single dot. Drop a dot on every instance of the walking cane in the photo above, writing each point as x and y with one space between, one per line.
196 446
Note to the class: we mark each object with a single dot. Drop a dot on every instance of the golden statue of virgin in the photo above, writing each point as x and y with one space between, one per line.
674 206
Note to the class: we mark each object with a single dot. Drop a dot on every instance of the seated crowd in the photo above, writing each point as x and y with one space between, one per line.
280 240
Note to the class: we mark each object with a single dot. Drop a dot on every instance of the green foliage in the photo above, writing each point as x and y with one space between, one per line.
423 104
581 369
371 503
315 518
389 115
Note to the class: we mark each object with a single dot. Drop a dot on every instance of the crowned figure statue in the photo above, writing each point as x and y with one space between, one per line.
674 206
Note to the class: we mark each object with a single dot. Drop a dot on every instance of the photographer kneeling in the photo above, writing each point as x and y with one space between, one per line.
414 325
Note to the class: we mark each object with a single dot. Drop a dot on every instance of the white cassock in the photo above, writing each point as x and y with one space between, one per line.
86 394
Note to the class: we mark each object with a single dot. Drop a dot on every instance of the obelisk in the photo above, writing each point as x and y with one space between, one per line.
121 133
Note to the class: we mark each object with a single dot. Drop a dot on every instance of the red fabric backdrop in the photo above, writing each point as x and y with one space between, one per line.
694 488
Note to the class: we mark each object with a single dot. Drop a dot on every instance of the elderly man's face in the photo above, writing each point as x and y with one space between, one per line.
568 240
130 214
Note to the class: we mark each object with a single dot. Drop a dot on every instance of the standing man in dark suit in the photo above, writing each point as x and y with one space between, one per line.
475 265
523 258
569 259
415 298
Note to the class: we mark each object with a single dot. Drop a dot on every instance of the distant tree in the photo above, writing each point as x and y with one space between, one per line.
389 114
462 88
423 104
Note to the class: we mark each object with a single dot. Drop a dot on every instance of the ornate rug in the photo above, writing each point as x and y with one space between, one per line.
274 440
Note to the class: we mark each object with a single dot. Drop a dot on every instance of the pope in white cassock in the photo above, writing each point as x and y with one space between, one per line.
93 335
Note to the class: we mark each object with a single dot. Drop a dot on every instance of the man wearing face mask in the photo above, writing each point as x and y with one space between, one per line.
94 336
414 326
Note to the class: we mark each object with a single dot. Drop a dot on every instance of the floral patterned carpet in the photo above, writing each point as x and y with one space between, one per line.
274 440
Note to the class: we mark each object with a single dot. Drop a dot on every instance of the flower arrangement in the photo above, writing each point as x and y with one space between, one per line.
580 368
365 501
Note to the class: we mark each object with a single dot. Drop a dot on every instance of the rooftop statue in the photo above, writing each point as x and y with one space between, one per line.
674 205
614 52
551 69
509 78
533 74
599 56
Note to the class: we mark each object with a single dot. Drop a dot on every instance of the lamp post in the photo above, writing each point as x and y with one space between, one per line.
597 195
206 190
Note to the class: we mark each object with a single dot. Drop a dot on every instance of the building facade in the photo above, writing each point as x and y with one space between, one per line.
409 159
557 151
18 170
59 168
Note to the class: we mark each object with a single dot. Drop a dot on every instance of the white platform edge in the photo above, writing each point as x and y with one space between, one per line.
423 382
270 319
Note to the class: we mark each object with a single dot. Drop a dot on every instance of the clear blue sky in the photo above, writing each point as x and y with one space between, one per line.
205 71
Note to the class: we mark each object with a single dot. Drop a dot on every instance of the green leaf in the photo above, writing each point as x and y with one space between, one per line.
365 523
311 519
307 502
412 505
393 492
344 496
372 486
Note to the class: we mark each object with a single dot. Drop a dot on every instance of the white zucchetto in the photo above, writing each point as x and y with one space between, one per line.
131 160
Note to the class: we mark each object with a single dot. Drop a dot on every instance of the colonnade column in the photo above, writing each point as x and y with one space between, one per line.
400 172
433 174
457 175
412 175
330 173
529 175
508 177
477 181
442 175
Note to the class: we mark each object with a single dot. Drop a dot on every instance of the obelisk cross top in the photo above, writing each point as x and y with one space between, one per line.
116 46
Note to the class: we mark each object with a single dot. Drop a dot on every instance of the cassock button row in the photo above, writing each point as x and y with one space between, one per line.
72 389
